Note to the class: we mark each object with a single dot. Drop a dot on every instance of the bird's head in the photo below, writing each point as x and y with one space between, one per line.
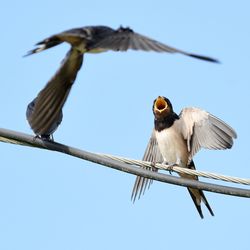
162 107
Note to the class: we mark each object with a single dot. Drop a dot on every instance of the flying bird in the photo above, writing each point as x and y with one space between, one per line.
44 113
177 138
95 39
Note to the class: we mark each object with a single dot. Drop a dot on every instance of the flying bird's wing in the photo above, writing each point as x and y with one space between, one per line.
125 38
103 38
49 132
151 154
51 98
202 129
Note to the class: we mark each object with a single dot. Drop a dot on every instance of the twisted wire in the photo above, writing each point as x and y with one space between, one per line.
180 170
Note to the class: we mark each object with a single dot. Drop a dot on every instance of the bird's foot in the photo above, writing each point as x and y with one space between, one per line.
153 164
170 166
49 138
36 137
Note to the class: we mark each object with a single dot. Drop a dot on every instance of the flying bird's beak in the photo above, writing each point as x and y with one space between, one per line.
160 106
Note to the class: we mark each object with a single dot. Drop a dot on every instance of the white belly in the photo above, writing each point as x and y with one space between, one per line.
172 146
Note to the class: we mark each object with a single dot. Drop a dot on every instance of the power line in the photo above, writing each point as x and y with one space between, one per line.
18 138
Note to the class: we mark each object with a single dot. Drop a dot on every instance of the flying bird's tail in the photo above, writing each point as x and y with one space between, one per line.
197 195
45 44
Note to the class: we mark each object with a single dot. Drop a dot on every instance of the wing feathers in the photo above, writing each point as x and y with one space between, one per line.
52 97
102 38
202 129
152 154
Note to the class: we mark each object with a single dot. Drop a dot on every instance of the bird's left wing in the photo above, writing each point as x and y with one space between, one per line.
52 97
151 154
202 129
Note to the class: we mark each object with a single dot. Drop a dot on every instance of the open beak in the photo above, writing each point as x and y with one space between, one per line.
160 105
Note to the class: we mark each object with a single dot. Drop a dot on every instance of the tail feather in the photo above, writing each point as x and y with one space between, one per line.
197 195
206 202
45 44
196 203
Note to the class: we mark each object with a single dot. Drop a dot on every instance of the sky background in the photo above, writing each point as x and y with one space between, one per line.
54 201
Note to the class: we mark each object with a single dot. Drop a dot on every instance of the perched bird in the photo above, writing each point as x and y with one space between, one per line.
44 113
94 39
177 138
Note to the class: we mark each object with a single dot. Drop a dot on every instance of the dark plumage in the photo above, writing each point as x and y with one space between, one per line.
95 39
44 113
48 134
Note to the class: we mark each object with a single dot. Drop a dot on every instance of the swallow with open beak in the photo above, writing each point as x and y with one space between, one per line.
177 138
44 113
95 39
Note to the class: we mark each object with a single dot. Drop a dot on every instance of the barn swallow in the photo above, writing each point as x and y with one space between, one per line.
177 138
44 113
95 39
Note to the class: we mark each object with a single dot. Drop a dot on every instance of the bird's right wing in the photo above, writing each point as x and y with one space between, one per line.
123 39
152 154
51 98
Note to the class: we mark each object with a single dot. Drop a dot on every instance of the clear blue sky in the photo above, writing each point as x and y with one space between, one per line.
53 201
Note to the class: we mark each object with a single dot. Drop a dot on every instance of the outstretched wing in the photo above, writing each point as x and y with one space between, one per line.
202 129
125 38
51 98
152 154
